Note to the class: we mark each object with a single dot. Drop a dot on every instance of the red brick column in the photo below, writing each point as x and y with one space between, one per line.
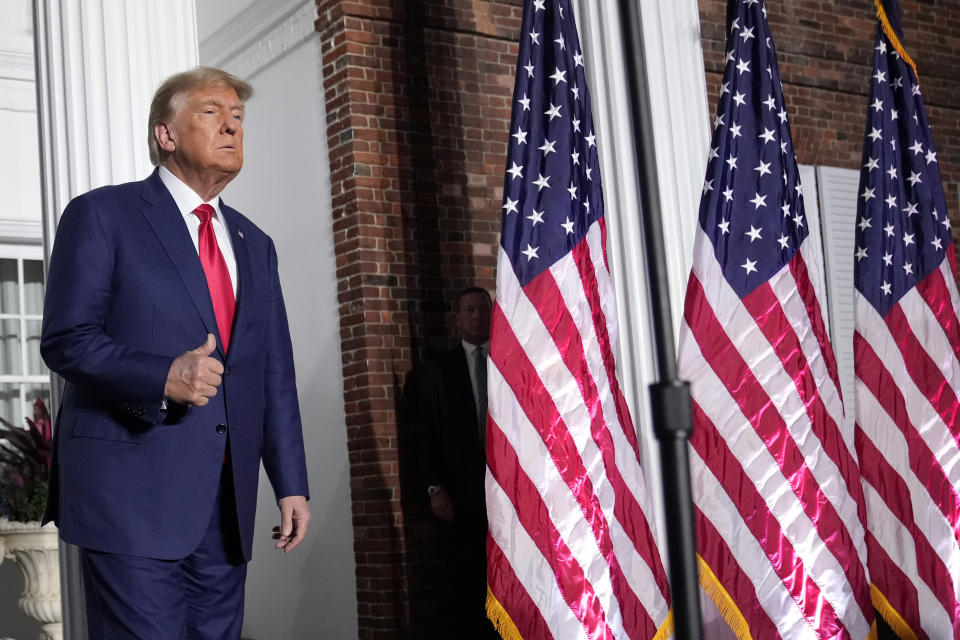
418 105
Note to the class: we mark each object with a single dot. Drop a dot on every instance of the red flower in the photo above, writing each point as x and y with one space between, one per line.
41 431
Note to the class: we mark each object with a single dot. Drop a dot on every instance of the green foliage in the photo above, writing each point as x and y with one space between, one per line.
22 503
25 466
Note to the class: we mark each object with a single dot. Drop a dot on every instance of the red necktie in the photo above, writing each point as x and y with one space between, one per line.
218 278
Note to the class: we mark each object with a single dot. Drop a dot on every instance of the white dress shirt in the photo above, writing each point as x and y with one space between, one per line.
471 352
187 200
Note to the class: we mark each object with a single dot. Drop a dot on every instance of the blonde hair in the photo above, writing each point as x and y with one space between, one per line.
161 107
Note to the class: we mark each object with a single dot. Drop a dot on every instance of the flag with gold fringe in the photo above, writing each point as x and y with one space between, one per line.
776 485
907 354
571 553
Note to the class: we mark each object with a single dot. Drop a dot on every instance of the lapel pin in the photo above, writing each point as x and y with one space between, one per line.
240 233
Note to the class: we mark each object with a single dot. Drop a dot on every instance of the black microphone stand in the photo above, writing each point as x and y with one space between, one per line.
670 397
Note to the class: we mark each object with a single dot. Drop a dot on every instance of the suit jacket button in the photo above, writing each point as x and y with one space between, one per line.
227 371
221 428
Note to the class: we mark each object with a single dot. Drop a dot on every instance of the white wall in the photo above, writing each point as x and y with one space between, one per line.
284 187
213 14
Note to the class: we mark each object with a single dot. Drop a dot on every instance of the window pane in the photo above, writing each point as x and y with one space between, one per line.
35 364
10 347
10 409
9 298
33 287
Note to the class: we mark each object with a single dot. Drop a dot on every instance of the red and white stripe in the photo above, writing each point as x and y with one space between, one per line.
778 500
908 427
571 552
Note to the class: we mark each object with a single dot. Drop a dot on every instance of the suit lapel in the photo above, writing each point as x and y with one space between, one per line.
245 304
161 212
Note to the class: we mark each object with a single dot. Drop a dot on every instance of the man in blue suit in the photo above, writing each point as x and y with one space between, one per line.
164 316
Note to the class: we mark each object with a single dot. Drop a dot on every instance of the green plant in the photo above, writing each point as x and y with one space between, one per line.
25 466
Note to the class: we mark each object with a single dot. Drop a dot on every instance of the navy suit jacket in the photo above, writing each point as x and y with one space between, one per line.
126 294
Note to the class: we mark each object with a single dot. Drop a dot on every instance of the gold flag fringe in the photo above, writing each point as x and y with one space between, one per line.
892 37
724 603
500 618
892 617
666 629
508 631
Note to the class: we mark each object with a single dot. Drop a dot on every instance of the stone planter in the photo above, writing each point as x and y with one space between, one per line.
35 550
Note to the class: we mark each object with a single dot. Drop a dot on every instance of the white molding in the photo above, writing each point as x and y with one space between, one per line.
21 232
680 108
259 35
16 65
17 89
18 95
23 251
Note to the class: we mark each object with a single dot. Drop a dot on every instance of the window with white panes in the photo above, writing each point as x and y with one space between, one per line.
23 375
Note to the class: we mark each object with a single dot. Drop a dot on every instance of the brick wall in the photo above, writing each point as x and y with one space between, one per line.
825 54
418 106
418 102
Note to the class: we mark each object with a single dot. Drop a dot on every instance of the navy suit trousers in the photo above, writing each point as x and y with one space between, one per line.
199 597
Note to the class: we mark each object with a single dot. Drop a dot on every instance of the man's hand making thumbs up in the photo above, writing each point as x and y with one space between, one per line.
194 376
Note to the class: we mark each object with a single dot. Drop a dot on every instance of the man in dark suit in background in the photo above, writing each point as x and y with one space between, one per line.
158 440
451 418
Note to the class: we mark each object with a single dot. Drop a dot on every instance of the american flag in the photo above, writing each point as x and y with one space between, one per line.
906 348
778 502
570 549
